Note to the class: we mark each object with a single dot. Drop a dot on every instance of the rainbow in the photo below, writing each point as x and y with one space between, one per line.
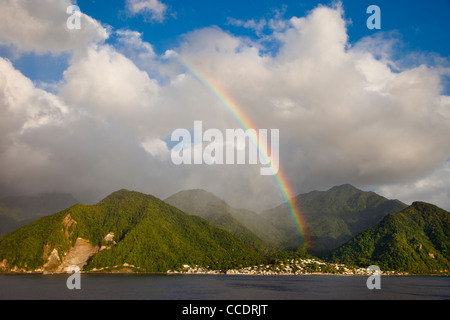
245 123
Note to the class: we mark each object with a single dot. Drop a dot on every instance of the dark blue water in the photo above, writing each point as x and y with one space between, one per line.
206 287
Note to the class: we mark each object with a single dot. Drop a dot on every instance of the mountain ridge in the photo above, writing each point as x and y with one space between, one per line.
205 204
332 216
129 231
146 233
416 239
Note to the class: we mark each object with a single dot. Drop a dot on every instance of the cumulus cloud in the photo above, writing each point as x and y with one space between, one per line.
41 27
107 84
130 44
256 25
433 188
24 108
275 22
56 142
154 10
346 114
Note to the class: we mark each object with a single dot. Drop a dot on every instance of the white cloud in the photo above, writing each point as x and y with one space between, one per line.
40 26
89 141
23 106
433 189
24 109
157 148
154 9
344 114
256 25
131 45
107 84
274 23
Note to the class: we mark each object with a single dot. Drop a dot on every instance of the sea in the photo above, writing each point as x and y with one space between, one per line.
221 287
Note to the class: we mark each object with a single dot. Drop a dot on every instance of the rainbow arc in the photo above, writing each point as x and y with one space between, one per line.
245 123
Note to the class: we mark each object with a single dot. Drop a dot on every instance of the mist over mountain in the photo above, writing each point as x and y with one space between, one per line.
332 217
215 210
129 231
18 211
209 206
38 205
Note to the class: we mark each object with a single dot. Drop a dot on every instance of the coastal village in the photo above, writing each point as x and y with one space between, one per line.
287 267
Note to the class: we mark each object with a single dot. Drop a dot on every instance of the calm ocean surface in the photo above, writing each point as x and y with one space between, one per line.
210 287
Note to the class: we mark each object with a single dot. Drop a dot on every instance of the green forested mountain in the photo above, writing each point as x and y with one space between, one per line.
210 207
143 231
333 217
131 229
415 240
242 222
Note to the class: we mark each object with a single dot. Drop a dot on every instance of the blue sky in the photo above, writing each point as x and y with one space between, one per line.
424 25
420 26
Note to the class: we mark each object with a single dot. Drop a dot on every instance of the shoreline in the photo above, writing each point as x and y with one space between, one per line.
219 274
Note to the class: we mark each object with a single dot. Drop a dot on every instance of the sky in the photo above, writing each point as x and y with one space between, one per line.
90 111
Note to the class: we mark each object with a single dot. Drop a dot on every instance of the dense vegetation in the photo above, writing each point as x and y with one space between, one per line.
333 217
149 234
217 212
25 247
415 240
167 238
154 236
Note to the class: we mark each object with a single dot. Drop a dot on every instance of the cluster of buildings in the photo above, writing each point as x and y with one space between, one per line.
194 270
287 267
